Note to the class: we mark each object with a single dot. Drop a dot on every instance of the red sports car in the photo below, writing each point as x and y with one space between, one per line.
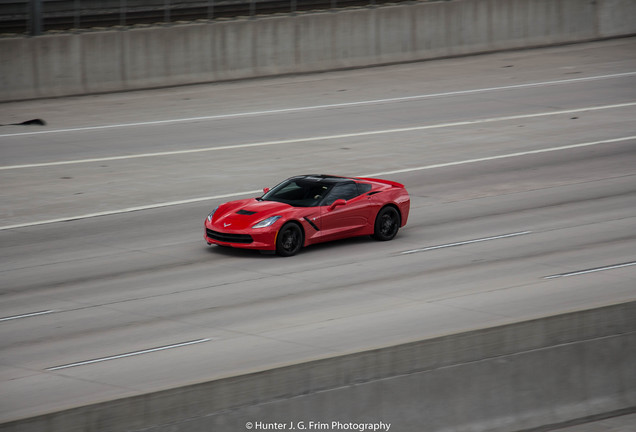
309 209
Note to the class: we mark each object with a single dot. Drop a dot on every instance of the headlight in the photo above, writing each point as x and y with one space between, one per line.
211 214
267 222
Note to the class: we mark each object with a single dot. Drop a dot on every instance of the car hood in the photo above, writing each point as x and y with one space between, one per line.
242 214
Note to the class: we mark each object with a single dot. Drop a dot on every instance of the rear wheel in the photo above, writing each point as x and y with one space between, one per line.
387 224
290 240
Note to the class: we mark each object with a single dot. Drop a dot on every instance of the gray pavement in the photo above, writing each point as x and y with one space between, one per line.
540 144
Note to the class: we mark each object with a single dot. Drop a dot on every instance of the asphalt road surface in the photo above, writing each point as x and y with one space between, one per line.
521 168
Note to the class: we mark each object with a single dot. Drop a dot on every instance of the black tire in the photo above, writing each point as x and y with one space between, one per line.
290 240
387 224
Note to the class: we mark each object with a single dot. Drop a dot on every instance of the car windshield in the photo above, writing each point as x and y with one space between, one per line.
299 192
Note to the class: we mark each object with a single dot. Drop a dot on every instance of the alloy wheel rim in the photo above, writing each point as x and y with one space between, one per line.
290 240
388 224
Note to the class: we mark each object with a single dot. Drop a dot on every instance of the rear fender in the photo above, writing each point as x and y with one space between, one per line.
397 198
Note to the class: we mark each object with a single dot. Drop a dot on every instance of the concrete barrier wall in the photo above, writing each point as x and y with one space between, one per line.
117 60
514 377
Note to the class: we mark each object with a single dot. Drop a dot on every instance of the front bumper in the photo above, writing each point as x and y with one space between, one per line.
261 239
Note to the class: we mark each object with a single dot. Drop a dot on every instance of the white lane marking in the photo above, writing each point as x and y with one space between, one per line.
236 194
320 138
328 106
466 242
129 210
27 315
135 353
503 156
594 270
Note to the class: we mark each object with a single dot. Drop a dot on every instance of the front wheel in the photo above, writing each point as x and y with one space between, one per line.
387 224
290 240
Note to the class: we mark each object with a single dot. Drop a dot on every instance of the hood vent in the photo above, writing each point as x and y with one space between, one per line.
246 212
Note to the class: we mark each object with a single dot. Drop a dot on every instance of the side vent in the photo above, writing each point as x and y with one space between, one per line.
310 222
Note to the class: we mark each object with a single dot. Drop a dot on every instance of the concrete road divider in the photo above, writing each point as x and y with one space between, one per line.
138 58
514 377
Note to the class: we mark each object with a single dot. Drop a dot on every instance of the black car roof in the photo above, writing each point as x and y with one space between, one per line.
324 178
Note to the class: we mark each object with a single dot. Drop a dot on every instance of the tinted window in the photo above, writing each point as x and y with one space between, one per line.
364 188
344 191
298 192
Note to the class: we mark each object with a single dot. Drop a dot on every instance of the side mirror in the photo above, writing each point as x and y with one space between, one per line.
337 203
265 190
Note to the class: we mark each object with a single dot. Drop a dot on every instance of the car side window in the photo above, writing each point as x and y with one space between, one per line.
364 188
344 191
